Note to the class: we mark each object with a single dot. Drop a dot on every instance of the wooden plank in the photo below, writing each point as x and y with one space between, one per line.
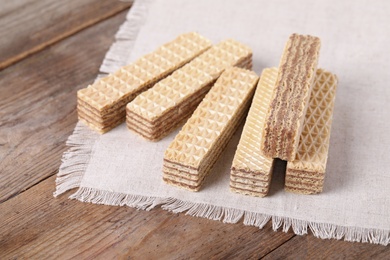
310 247
34 225
38 104
37 114
28 26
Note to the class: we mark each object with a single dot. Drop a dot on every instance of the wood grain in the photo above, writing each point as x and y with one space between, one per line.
38 105
28 26
310 247
35 225
38 113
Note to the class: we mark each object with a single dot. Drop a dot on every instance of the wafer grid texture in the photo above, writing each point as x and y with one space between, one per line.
195 149
102 104
290 98
156 112
251 171
307 172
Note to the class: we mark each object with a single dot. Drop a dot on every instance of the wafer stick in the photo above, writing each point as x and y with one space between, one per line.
251 171
193 152
290 98
306 173
158 111
108 96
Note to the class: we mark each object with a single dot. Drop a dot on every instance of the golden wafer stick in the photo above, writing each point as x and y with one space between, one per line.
307 172
195 149
251 170
108 96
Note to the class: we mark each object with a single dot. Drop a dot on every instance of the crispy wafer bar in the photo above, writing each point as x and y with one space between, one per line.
306 173
158 111
104 100
193 152
290 98
251 171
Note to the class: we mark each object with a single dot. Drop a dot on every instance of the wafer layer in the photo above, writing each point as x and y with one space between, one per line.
250 166
158 111
193 152
290 98
246 191
245 187
110 94
306 173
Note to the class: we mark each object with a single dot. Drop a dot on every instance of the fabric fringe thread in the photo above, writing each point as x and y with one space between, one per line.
75 159
81 142
119 53
228 215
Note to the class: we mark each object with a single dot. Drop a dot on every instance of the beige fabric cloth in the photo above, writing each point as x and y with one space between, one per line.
120 168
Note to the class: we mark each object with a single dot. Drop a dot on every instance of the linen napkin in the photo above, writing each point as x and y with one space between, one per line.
121 168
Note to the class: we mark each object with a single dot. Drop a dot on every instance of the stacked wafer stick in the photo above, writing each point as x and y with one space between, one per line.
297 103
290 98
307 172
158 111
193 152
251 170
102 104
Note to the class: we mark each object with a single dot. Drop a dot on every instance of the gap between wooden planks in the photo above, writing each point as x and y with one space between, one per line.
30 26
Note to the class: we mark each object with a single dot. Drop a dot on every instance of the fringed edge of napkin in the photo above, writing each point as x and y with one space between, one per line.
81 142
229 215
75 160
119 52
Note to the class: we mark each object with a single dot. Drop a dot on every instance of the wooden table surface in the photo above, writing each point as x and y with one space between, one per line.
48 50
